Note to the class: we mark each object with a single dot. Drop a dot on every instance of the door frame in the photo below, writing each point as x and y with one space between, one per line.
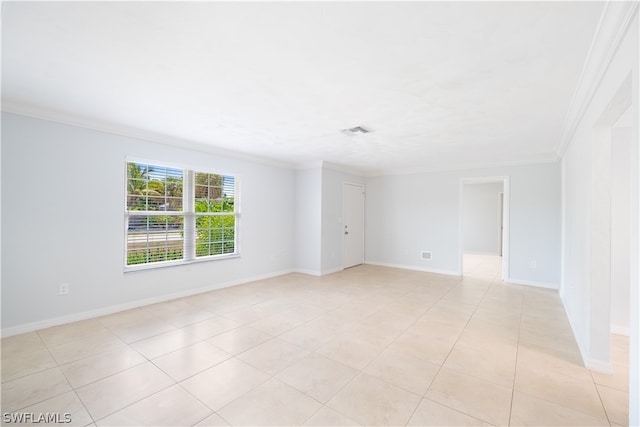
599 352
364 195
504 180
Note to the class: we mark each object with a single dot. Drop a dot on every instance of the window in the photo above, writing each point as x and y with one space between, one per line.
215 214
177 215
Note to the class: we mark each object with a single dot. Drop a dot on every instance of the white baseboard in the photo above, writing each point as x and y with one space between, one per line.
621 330
415 268
306 271
581 346
482 253
317 272
600 366
532 283
332 270
90 314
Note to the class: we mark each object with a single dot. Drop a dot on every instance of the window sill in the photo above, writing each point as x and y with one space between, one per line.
165 264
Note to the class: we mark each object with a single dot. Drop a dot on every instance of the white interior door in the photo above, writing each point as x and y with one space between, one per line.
501 221
353 221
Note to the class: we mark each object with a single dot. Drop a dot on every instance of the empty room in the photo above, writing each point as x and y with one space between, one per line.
320 213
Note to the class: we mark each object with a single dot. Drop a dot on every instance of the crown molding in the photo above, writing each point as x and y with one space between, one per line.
614 23
134 133
466 167
323 164
308 165
342 168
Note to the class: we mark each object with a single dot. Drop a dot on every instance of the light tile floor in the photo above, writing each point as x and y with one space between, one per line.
366 346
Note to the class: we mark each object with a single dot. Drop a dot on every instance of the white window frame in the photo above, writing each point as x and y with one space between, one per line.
188 213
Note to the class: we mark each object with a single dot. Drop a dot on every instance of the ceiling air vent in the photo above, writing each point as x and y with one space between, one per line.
425 255
355 131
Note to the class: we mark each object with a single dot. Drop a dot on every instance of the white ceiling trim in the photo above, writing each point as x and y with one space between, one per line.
128 132
310 165
323 164
614 23
474 166
342 168
444 86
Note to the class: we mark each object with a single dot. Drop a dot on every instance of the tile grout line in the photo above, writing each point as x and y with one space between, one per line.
131 403
470 318
441 364
203 403
357 296
273 376
34 372
604 408
314 352
75 389
361 371
61 372
57 366
451 349
515 368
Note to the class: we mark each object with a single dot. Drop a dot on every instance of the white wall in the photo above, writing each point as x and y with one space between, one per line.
406 214
586 206
63 221
318 221
581 164
308 221
332 210
410 213
620 228
481 217
574 290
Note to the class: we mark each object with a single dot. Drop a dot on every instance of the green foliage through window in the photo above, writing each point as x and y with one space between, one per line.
154 188
156 221
215 232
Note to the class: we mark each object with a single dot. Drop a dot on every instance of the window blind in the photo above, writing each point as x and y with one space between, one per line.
178 215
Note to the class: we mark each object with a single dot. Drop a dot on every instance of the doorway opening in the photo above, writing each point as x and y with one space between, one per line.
611 234
621 223
484 228
621 153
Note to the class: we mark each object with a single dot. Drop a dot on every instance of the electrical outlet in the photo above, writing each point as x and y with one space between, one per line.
63 289
533 264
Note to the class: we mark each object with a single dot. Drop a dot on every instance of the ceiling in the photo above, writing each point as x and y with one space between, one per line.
441 85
